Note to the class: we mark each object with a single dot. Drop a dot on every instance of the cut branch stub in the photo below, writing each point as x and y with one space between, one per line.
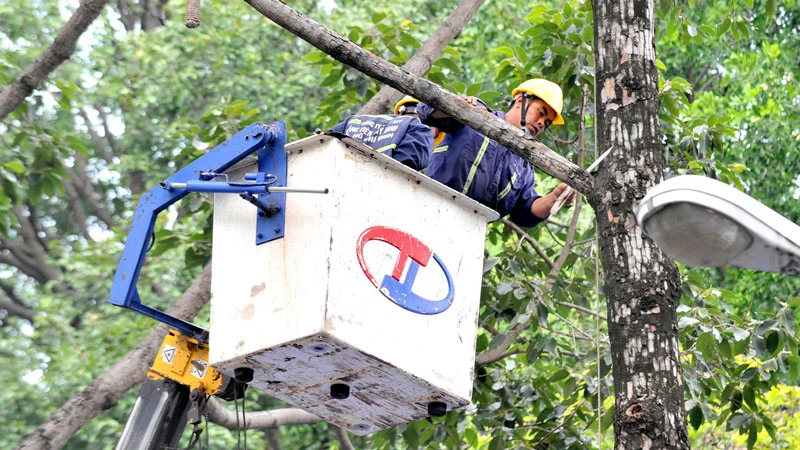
192 14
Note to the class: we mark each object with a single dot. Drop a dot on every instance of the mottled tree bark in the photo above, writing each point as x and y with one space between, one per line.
642 284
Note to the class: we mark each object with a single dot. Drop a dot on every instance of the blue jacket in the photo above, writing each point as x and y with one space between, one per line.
403 138
482 169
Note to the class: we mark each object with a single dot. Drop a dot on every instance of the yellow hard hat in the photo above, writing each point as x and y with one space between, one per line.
545 90
403 101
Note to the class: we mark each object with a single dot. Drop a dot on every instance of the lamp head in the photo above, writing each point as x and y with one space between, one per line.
702 222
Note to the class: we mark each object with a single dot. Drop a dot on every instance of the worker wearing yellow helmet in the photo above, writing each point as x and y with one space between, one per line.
407 106
486 171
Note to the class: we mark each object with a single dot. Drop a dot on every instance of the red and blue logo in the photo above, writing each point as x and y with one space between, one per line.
413 255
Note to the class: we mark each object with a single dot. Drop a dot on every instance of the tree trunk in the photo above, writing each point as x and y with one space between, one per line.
642 284
62 48
424 58
347 52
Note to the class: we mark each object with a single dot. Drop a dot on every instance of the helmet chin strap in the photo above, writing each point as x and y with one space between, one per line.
523 113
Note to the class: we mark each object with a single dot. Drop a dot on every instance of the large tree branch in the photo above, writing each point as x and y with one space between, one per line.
89 196
259 420
27 231
77 211
112 141
97 140
16 256
15 309
62 48
122 376
344 439
427 54
347 52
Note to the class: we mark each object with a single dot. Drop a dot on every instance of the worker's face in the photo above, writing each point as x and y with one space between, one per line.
539 116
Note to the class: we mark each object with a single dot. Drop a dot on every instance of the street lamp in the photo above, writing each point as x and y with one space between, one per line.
702 222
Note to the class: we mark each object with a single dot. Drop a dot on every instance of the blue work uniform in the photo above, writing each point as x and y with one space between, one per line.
482 169
403 138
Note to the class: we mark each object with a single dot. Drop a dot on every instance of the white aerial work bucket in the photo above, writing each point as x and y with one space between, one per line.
365 312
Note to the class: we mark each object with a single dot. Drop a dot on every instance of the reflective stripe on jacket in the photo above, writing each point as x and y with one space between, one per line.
482 169
403 138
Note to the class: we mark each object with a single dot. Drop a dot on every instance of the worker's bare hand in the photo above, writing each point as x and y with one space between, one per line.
570 195
473 101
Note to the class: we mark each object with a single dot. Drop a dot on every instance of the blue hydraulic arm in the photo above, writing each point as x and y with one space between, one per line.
265 189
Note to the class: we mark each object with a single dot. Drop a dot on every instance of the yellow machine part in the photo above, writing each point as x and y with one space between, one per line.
185 361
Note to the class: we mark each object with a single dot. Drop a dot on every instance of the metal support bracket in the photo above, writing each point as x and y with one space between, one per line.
269 141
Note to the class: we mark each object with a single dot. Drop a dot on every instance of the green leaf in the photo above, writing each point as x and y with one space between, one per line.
736 400
750 397
747 375
331 79
737 421
724 349
498 443
505 50
588 37
535 349
473 89
696 417
377 17
752 435
411 435
504 288
558 375
773 342
521 54
739 334
489 263
15 166
772 8
726 24
788 320
706 343
542 313
766 326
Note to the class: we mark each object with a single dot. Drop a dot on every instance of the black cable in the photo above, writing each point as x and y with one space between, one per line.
205 414
523 112
244 421
236 405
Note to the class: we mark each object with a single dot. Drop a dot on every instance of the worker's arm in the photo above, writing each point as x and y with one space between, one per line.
516 193
436 118
542 205
415 145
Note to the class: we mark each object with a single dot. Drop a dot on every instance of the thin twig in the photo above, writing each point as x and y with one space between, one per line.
525 236
579 308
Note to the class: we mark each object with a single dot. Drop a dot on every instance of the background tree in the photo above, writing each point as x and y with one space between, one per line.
642 285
